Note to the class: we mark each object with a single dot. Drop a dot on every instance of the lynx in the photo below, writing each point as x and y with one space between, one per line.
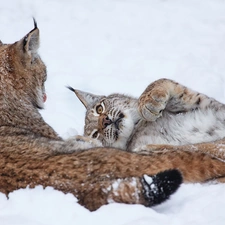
32 153
166 115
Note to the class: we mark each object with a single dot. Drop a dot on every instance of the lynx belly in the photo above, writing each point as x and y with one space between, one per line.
180 129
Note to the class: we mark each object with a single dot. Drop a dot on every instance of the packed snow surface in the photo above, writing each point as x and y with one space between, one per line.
108 46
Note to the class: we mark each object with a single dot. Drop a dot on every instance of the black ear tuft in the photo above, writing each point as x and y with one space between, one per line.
158 188
70 88
35 23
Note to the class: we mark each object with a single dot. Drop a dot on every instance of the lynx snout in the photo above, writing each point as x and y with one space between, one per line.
104 121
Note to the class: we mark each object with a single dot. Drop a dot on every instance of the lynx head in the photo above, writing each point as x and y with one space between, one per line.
110 119
22 71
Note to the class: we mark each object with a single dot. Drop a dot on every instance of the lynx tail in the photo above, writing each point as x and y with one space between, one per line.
161 186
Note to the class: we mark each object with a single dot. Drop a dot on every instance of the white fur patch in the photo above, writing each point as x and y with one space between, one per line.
40 98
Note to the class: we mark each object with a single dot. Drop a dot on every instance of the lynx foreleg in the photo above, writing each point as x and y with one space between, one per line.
152 149
215 149
148 190
74 144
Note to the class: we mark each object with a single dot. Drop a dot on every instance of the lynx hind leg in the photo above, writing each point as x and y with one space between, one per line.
160 187
153 101
165 94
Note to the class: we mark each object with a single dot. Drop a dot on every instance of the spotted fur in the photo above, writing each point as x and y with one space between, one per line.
32 153
167 113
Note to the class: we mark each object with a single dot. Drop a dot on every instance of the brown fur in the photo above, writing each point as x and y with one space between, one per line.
31 153
86 174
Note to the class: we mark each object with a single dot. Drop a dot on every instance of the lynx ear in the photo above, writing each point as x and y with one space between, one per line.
87 99
31 41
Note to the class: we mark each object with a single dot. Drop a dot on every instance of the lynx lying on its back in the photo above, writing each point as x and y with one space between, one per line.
166 113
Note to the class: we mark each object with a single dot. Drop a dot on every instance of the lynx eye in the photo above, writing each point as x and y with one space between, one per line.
100 108
95 134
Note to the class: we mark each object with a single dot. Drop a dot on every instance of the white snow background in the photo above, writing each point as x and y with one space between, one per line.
106 46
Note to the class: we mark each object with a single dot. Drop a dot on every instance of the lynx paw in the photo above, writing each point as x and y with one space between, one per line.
159 187
143 150
152 104
93 142
150 149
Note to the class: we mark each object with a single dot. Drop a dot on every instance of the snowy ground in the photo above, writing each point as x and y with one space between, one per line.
105 46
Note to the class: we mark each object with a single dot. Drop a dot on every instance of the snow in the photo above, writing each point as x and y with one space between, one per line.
148 179
107 46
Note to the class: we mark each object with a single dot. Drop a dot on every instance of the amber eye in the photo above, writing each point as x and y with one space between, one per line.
99 109
95 134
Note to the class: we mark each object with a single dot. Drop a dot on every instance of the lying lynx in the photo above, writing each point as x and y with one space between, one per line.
167 113
31 153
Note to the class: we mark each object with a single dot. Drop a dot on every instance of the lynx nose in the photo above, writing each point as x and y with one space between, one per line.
105 121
